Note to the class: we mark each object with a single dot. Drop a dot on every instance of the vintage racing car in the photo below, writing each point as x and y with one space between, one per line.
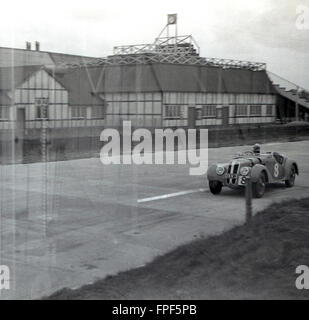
262 169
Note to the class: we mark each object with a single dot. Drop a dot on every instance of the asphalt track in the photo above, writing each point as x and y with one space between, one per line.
68 223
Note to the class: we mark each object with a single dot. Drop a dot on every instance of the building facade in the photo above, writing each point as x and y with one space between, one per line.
70 105
34 94
166 95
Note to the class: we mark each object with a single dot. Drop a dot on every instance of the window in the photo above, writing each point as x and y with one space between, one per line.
241 110
42 112
78 112
4 113
255 110
199 114
219 113
209 111
41 108
97 112
269 110
172 111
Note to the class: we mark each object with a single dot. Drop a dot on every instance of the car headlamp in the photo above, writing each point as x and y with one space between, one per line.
244 171
220 170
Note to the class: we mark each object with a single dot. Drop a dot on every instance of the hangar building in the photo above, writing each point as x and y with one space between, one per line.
163 84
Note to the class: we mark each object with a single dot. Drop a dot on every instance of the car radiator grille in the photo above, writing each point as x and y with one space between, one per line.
233 172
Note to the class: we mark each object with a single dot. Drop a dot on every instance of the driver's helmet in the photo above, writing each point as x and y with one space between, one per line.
256 149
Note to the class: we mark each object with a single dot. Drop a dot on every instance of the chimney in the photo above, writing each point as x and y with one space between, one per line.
28 45
37 46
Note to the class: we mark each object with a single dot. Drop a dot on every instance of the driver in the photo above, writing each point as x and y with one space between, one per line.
256 149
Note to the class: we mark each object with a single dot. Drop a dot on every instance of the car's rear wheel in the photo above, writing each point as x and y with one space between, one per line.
259 187
215 187
291 181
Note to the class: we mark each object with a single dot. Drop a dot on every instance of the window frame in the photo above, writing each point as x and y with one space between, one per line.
255 107
241 114
172 111
271 108
41 103
101 108
212 114
7 112
74 108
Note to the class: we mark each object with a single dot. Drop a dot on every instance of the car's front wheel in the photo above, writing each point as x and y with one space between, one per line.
291 181
258 188
215 187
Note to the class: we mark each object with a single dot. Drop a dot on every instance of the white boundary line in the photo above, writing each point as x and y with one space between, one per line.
170 195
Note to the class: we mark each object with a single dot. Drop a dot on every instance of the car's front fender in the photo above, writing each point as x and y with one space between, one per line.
212 174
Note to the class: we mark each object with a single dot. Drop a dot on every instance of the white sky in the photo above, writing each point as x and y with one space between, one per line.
257 30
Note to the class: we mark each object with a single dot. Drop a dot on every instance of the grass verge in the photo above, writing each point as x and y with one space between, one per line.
255 261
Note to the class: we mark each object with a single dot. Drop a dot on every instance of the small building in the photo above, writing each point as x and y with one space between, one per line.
34 99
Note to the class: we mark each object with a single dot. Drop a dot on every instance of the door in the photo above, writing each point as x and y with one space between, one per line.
225 116
191 117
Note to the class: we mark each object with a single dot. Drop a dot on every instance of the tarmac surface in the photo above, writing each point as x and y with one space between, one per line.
69 223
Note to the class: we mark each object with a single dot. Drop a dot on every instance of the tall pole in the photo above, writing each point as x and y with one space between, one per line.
44 174
248 200
176 29
176 34
297 105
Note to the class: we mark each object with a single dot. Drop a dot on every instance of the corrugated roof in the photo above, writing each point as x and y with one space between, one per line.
211 79
63 58
84 83
10 77
81 84
5 100
12 57
179 78
129 78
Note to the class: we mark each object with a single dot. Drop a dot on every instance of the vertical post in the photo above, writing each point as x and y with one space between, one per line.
19 135
42 105
44 174
248 200
176 36
296 105
176 32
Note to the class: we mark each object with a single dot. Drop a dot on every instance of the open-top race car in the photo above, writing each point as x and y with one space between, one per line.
262 169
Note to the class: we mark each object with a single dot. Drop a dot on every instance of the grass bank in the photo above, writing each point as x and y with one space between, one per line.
255 261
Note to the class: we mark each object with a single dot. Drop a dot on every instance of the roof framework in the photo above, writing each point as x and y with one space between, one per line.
143 54
181 59
173 49
177 45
